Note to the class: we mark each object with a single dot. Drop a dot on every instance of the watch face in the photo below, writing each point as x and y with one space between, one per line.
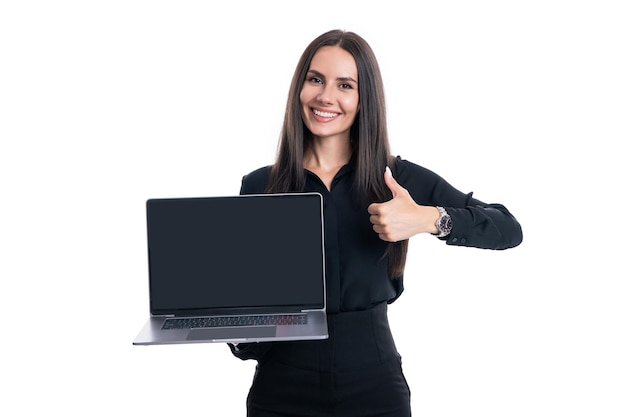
445 224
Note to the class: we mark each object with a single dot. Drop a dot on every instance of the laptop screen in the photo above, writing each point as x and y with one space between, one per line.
239 252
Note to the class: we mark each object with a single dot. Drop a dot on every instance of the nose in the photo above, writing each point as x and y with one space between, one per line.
326 94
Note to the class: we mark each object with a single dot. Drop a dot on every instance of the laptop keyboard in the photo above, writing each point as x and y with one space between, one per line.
261 320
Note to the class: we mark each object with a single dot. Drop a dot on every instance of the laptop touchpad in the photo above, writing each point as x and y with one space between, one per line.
232 333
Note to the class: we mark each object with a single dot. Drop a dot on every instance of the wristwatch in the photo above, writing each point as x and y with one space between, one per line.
444 223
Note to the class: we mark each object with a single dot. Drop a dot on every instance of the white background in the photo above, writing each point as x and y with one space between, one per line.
104 104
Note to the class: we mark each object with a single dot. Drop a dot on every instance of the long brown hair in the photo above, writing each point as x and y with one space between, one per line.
370 142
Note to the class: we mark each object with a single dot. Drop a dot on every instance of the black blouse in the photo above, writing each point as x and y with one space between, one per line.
356 268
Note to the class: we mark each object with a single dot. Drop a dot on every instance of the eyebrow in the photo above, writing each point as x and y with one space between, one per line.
338 79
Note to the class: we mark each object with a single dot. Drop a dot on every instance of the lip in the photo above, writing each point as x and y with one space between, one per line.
324 115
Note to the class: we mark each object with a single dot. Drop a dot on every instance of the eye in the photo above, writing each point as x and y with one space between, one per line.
314 80
345 86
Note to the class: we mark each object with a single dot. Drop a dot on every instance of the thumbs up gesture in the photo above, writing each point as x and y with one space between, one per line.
401 217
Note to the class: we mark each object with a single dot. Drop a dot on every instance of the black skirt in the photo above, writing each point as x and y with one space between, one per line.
356 372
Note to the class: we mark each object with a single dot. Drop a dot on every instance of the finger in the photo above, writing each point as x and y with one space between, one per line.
375 219
386 237
374 208
380 229
392 184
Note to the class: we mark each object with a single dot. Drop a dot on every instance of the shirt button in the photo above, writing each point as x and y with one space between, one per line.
463 240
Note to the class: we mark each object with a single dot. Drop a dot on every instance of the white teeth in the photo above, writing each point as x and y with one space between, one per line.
324 113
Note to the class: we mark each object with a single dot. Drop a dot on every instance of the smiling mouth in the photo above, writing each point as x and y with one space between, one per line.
325 114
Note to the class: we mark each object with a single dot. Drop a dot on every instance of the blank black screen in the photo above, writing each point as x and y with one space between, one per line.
240 251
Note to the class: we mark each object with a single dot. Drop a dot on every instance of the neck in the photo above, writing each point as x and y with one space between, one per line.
327 154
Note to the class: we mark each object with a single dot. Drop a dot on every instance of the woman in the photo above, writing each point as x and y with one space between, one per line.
334 141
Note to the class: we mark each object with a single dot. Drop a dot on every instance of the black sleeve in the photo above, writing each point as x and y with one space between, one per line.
245 351
255 182
474 223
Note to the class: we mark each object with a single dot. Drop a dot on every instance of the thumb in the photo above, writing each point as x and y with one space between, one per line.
393 185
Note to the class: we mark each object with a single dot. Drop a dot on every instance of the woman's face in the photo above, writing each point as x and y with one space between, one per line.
330 95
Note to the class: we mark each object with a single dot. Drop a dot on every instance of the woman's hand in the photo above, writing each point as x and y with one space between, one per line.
401 217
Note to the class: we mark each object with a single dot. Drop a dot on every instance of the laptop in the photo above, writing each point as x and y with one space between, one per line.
246 268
